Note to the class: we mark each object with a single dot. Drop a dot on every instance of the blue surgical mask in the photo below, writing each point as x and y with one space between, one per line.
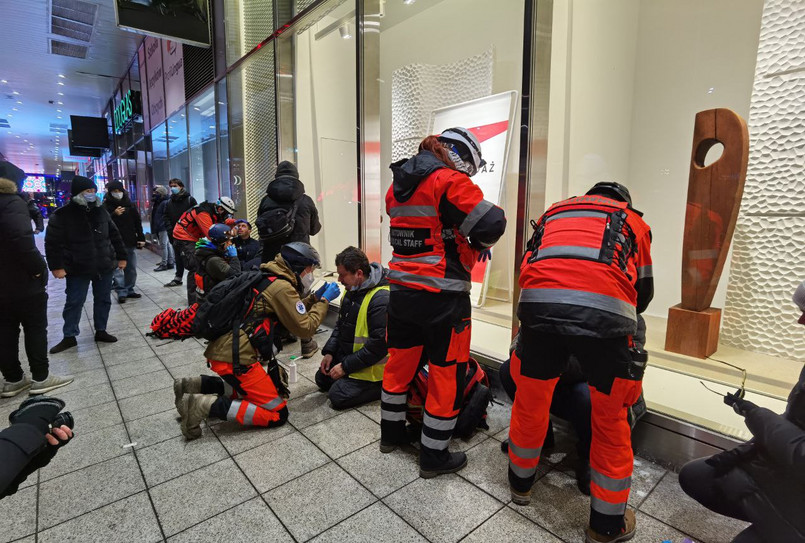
117 195
175 190
90 196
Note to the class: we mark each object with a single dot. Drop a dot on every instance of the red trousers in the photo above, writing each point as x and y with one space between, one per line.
250 398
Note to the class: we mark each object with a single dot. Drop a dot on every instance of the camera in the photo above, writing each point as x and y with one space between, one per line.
64 418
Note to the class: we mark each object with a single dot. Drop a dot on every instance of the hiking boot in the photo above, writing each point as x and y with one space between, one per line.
185 385
583 477
455 462
504 447
12 389
309 348
121 299
52 382
174 283
520 498
628 532
194 408
104 336
63 345
134 295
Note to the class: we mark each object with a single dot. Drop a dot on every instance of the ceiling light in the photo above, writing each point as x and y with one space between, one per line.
58 116
60 103
345 31
408 2
10 115
61 83
3 81
14 109
61 75
58 111
19 101
15 92
61 94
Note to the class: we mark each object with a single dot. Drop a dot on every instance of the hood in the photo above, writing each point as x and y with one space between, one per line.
182 195
409 173
285 189
7 186
378 277
278 267
205 247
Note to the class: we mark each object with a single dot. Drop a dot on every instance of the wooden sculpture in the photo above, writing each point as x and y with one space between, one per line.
714 199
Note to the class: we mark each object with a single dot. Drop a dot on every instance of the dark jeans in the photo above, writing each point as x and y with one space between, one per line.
31 313
77 287
124 280
179 262
185 251
346 392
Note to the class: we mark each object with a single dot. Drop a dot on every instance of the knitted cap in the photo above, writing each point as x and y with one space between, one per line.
162 190
114 185
80 184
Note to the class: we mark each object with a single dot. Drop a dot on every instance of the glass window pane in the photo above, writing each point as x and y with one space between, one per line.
178 162
247 23
203 159
159 145
223 140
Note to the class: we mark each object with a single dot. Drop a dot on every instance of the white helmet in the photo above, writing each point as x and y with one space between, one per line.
227 203
465 148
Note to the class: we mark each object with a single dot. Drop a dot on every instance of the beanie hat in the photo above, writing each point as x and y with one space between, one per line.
799 299
114 185
11 172
80 184
162 190
286 169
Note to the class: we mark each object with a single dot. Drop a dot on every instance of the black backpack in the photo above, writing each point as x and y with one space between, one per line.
276 224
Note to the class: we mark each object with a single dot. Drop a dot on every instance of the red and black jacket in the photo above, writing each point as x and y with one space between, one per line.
439 223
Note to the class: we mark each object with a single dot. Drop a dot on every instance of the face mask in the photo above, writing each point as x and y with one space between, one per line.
307 282
89 197
117 195
175 190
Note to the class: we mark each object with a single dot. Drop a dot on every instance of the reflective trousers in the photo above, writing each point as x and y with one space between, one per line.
615 384
250 399
425 328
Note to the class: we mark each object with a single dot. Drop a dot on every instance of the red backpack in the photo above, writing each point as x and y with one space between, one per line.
477 395
172 324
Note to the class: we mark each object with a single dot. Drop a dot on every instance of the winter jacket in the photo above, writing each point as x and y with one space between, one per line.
196 222
283 192
212 267
248 252
176 206
83 240
34 212
280 301
20 448
340 344
158 206
128 222
22 261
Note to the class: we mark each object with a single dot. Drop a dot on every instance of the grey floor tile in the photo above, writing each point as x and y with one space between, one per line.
375 523
140 384
86 450
306 513
371 410
668 503
508 526
18 514
199 495
137 367
343 434
82 491
128 356
193 353
178 456
302 386
124 344
80 398
194 369
250 522
238 438
382 473
309 410
85 380
645 477
498 417
294 455
154 428
146 404
97 417
62 364
422 505
175 347
651 530
465 444
129 520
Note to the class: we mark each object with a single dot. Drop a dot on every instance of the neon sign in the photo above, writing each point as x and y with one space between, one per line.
126 110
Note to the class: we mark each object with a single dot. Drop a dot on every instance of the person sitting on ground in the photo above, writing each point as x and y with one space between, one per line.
355 355
763 480
245 392
248 248
128 222
217 260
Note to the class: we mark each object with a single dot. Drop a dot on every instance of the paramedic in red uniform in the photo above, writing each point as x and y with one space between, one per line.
584 278
440 227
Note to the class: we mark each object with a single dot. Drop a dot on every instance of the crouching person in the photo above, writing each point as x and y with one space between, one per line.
244 391
356 353
216 260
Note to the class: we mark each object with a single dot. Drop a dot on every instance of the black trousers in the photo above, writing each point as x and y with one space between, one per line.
31 314
347 392
185 251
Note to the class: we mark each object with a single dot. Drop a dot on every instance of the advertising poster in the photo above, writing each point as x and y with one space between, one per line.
490 118
35 183
173 67
186 21
154 80
144 89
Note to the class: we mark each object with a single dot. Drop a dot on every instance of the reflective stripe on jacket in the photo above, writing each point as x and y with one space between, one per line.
372 373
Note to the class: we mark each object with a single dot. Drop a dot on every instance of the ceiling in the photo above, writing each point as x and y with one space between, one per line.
39 89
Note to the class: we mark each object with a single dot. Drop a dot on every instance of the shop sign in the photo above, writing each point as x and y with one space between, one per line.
126 110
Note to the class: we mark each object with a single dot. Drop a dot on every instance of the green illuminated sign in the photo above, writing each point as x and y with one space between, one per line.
125 110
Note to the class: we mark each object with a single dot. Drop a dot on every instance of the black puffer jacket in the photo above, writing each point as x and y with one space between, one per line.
213 266
158 205
83 240
340 344
128 223
21 261
177 204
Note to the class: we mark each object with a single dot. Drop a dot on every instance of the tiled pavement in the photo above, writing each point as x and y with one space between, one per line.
129 475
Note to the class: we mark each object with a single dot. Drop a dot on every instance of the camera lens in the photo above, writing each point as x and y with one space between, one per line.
64 419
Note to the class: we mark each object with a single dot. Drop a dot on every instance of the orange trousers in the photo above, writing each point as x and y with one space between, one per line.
250 398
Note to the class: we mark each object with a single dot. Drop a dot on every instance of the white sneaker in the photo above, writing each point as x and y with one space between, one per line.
12 389
51 383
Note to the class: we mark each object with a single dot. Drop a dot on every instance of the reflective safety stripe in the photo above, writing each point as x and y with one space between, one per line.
392 415
523 473
474 216
578 297
608 483
442 283
522 452
439 424
606 508
273 404
373 373
412 211
394 399
429 259
645 271
568 251
577 215
248 417
437 444
232 414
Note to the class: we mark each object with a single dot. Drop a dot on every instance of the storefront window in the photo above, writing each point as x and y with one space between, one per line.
223 138
203 156
178 159
159 145
247 23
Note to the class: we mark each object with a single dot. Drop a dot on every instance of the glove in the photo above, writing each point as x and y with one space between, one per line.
240 369
738 404
321 290
231 251
485 255
39 412
331 292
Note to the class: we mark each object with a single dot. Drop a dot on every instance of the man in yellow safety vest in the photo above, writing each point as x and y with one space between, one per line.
356 353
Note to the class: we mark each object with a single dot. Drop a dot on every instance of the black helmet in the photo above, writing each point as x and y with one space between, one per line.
613 190
299 255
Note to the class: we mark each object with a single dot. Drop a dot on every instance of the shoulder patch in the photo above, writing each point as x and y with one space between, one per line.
300 307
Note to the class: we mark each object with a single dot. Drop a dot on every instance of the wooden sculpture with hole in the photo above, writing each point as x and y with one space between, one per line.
714 199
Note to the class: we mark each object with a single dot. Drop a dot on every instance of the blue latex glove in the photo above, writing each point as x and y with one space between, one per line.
320 291
485 255
231 251
331 292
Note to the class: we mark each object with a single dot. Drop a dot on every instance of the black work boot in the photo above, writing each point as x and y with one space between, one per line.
392 435
582 470
431 465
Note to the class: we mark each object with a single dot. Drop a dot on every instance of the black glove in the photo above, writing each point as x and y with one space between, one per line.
240 369
738 404
39 411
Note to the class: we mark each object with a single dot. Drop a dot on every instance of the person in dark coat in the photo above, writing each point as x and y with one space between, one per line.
34 212
159 203
248 248
217 260
282 192
127 219
351 370
23 296
763 480
179 202
83 245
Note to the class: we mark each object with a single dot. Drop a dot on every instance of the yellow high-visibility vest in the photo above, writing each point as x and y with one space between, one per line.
372 373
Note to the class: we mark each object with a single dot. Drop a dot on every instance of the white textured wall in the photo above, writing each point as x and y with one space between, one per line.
769 243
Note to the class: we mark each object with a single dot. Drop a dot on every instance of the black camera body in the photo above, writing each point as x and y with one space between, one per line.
65 418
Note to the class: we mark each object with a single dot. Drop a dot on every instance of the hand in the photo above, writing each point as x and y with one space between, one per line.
331 292
63 433
738 404
325 363
121 264
320 291
140 244
119 210
59 274
337 372
485 255
231 251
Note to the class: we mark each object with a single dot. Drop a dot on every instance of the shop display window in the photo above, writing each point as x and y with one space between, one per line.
159 146
178 156
222 141
247 23
203 155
